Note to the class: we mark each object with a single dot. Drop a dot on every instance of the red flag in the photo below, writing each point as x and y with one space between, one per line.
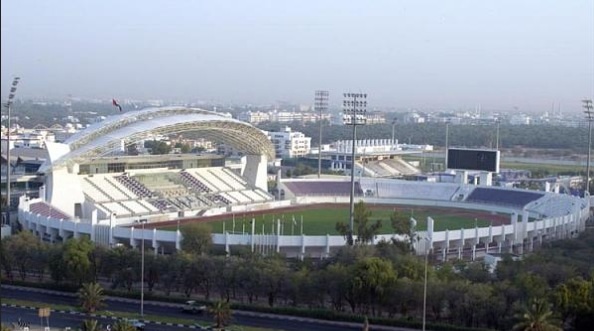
115 104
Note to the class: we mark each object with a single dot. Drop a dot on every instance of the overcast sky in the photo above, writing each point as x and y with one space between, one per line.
426 54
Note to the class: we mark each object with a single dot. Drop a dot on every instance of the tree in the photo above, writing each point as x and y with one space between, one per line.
403 226
90 296
221 312
76 257
123 325
196 238
371 277
91 325
537 317
363 227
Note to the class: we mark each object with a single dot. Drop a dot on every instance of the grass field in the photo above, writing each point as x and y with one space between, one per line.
322 220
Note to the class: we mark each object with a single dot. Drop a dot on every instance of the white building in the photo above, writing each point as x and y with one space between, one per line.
289 144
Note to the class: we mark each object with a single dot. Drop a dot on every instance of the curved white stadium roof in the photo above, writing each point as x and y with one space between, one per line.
101 138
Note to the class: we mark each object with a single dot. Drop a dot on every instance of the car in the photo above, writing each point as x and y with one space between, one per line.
193 307
138 325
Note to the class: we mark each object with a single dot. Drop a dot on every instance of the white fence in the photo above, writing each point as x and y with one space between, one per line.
520 234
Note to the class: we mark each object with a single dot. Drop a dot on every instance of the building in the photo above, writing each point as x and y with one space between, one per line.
290 144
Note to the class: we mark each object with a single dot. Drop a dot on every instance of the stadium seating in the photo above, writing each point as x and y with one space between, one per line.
323 188
506 197
401 189
46 210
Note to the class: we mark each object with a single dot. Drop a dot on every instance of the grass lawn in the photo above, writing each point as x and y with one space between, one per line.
322 221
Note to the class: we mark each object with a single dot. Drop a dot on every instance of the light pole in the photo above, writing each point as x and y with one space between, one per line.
589 117
8 105
427 248
447 144
497 136
142 269
393 125
321 105
354 109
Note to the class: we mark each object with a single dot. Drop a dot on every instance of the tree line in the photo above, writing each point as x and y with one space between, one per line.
382 281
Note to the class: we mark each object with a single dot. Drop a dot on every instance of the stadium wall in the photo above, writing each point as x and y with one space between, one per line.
515 237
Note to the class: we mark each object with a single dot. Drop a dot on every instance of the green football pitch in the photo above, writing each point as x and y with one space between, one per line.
321 220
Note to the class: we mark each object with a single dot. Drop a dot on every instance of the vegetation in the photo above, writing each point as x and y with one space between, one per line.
383 282
221 313
197 238
91 297
537 317
90 325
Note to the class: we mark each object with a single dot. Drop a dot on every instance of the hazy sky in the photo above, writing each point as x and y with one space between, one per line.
451 54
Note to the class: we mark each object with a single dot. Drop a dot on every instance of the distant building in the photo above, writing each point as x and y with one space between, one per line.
290 144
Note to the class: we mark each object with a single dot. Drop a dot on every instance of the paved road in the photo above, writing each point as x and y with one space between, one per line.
279 322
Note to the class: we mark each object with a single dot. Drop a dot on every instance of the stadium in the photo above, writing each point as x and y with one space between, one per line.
125 200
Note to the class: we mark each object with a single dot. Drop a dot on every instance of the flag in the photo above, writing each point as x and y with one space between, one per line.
116 104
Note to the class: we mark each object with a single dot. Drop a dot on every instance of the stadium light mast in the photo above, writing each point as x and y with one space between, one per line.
589 117
393 125
8 105
447 143
320 105
498 121
354 108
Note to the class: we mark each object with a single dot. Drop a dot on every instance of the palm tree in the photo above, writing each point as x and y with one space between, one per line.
90 296
366 324
122 325
537 317
91 325
221 312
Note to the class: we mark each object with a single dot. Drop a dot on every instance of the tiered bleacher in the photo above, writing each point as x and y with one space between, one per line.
169 190
43 209
401 189
503 197
323 188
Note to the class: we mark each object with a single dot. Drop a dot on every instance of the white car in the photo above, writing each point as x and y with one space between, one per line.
194 308
138 325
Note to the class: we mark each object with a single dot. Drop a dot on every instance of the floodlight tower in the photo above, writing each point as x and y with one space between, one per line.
320 105
498 122
589 117
8 106
354 108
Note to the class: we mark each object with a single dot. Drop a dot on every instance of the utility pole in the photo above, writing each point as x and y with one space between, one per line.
321 105
8 105
354 109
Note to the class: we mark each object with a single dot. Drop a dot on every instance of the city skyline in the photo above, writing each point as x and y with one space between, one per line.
420 55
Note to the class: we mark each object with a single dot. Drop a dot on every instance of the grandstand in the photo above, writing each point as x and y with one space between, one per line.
142 193
507 197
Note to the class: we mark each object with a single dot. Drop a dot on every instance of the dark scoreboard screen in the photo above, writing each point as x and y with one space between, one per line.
473 159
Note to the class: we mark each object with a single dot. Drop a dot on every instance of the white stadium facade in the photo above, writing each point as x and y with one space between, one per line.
90 191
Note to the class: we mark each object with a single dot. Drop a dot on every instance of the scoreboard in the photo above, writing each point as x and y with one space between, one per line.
473 159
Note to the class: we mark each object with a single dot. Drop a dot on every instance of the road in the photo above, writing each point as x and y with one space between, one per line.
57 319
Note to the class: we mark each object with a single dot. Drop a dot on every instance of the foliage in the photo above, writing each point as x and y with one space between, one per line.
90 325
90 296
363 227
122 325
197 238
221 313
537 317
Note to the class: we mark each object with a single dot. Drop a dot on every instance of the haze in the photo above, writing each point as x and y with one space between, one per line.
432 54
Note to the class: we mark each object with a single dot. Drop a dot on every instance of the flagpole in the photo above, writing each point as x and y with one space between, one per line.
233 229
301 224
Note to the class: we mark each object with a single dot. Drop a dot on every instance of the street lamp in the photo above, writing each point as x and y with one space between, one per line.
321 105
8 105
589 117
354 109
427 248
142 269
